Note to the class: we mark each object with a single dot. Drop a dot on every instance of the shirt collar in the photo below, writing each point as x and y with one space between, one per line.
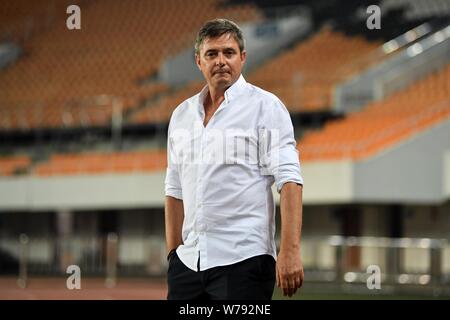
235 89
232 92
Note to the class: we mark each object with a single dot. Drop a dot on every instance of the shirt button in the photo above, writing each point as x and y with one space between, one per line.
199 205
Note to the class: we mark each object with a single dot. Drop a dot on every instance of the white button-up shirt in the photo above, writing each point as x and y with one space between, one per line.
224 173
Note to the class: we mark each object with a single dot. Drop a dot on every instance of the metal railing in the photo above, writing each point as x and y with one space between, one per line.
108 257
421 262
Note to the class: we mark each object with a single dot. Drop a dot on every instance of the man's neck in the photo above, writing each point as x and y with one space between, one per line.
216 96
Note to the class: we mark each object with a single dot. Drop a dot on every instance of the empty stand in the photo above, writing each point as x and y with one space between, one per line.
382 124
119 44
304 76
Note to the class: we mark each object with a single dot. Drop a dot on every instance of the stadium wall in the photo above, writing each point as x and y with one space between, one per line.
409 172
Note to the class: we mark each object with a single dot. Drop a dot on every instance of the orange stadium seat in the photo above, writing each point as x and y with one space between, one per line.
97 163
10 164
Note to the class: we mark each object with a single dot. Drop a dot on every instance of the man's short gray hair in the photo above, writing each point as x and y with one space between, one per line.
216 28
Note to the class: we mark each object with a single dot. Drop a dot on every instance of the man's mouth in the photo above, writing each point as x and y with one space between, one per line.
221 72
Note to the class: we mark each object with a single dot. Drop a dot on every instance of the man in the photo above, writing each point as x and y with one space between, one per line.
227 145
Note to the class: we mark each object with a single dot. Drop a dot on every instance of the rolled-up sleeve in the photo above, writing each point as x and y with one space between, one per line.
282 157
172 181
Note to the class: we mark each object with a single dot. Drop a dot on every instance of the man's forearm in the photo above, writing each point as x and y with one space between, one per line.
289 265
174 217
291 216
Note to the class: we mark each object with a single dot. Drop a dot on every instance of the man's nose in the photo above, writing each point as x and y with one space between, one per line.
220 59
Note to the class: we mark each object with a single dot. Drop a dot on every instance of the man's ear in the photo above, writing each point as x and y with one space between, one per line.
243 56
197 61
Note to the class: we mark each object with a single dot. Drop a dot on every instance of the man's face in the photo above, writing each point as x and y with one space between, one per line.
220 61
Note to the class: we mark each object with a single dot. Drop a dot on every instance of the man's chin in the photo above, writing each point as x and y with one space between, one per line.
223 82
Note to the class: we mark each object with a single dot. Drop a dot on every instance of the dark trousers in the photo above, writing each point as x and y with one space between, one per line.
250 279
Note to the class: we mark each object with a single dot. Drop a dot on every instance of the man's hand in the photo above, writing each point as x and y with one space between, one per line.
289 271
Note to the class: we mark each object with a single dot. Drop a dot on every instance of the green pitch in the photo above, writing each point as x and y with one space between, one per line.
278 295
